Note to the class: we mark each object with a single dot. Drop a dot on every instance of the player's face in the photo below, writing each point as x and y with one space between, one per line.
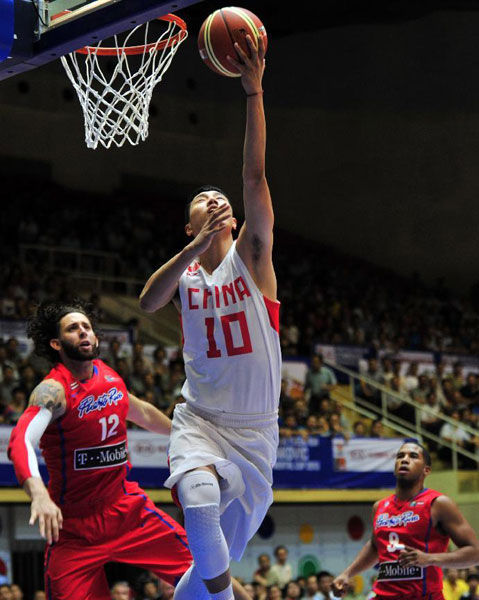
201 208
410 465
77 339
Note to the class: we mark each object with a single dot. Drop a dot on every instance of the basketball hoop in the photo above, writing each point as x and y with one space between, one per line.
116 105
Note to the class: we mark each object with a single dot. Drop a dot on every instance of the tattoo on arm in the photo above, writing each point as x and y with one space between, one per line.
48 396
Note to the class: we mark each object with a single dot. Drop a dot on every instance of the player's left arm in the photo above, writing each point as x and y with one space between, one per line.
147 416
448 519
255 241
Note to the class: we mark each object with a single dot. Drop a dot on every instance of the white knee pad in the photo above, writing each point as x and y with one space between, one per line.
199 494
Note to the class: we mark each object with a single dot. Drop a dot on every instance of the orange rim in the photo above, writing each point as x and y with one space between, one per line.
177 38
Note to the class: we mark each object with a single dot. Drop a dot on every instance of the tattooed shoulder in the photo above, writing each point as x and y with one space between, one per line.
49 394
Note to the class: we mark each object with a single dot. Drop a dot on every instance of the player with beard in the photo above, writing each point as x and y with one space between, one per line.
90 514
411 533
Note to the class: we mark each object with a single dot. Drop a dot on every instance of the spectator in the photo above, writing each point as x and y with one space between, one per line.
17 592
9 383
422 390
29 379
318 383
113 355
452 433
453 586
161 368
337 409
377 429
411 379
14 409
13 352
39 595
151 590
359 429
430 418
120 591
5 592
397 406
281 571
470 391
274 593
261 591
312 425
291 427
249 589
311 591
286 403
322 427
325 579
138 354
457 376
473 585
293 591
137 377
335 428
262 574
365 390
301 411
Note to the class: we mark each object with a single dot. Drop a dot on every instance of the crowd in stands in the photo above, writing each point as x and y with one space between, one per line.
313 411
272 581
326 296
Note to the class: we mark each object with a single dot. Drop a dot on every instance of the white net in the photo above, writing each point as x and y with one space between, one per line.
115 98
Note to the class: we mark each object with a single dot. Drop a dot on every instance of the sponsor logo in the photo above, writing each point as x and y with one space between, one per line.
384 520
110 378
100 457
74 385
393 571
90 403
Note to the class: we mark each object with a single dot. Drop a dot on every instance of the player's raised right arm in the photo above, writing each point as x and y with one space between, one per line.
47 402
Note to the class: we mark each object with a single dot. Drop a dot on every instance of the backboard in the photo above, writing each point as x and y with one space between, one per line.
35 32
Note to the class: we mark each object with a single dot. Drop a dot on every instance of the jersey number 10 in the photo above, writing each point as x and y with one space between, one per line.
231 349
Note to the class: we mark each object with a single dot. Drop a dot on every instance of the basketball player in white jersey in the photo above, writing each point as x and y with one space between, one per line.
224 438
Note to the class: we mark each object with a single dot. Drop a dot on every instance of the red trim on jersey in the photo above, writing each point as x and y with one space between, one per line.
273 312
17 448
182 332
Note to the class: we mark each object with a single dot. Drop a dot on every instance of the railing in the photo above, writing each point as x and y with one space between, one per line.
370 410
102 271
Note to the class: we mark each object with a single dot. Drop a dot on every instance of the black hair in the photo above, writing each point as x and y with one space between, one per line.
194 193
425 452
45 324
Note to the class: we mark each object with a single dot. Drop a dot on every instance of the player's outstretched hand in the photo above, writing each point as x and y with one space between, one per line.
216 222
340 585
50 518
251 67
410 557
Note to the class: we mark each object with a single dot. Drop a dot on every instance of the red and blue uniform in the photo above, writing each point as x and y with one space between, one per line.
409 523
106 517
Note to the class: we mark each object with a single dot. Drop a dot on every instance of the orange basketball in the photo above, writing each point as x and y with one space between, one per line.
219 32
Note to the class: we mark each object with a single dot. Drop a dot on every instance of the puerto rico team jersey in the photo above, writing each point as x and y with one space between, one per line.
86 449
408 523
231 341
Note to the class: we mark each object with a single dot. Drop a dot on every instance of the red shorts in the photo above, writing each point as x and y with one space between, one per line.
130 530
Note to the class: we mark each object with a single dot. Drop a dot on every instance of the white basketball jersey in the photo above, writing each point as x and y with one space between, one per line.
231 342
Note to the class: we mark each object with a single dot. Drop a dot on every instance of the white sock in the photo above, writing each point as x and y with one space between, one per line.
226 594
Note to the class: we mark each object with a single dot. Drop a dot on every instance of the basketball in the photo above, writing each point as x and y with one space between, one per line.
221 30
